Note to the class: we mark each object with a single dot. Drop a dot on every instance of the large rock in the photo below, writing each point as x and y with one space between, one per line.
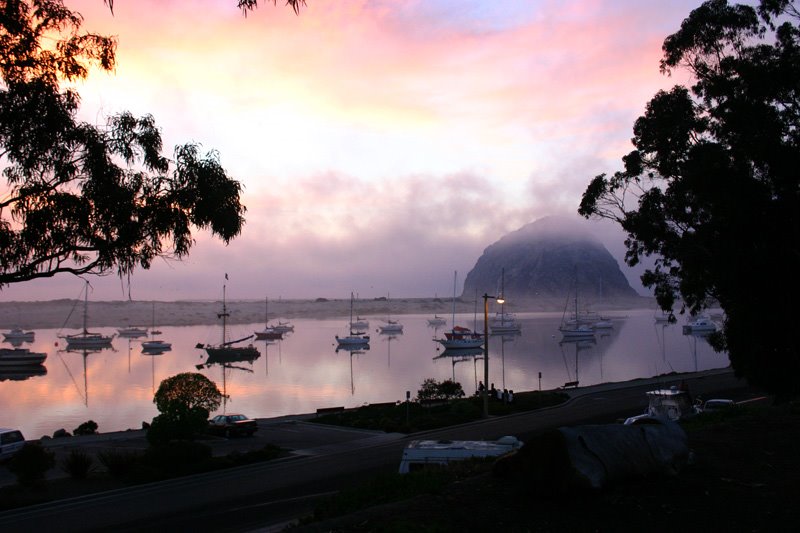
543 260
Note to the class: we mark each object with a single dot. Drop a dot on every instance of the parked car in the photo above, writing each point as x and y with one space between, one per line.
232 425
717 404
11 440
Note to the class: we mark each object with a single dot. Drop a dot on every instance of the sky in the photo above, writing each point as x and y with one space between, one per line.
382 144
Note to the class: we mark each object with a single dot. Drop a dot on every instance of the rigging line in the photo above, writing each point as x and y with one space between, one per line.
69 372
77 301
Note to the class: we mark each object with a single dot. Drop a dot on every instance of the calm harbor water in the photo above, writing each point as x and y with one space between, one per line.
303 372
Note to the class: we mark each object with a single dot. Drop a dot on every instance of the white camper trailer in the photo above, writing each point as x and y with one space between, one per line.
425 453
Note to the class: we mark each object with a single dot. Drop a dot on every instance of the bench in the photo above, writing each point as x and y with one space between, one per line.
432 403
383 404
329 410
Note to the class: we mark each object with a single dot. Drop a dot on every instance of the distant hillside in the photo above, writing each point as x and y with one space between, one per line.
542 260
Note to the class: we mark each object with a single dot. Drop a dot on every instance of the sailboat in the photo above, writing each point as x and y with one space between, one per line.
87 339
155 345
437 321
391 326
459 337
268 333
575 330
354 338
504 322
225 351
359 323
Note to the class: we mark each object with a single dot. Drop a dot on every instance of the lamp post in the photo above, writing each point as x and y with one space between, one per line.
499 300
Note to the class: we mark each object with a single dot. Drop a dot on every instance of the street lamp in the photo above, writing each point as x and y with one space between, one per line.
500 300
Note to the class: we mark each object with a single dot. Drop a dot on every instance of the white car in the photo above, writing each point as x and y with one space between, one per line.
11 440
717 404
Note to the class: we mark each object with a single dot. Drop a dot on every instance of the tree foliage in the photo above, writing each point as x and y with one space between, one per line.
82 198
244 5
445 390
711 188
184 401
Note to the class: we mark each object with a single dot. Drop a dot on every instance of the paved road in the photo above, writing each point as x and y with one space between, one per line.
267 494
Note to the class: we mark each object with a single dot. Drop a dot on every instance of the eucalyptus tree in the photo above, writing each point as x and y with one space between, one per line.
711 189
81 198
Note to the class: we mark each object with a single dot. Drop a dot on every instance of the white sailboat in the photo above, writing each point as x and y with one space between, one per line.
391 326
154 344
576 330
459 337
354 338
269 332
437 321
504 322
86 338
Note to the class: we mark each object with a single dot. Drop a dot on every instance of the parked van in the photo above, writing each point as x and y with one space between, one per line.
11 440
426 453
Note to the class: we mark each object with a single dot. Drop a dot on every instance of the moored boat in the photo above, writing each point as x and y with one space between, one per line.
86 338
269 333
19 357
225 351
132 332
701 324
459 337
19 335
355 338
437 321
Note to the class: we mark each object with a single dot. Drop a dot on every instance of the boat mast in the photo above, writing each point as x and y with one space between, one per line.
86 308
224 313
455 275
351 314
502 296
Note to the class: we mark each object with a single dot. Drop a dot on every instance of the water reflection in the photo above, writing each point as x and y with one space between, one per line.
230 362
310 376
388 338
21 373
84 353
352 349
578 345
463 355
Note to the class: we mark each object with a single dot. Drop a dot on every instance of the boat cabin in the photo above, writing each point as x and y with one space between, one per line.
672 403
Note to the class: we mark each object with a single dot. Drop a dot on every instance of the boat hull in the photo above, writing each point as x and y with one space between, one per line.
88 341
156 345
352 340
460 344
228 354
20 357
271 335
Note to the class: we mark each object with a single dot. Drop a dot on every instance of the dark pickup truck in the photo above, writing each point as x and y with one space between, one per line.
232 425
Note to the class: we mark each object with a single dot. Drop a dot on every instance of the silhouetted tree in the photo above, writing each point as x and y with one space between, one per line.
82 198
445 390
184 401
711 189
244 5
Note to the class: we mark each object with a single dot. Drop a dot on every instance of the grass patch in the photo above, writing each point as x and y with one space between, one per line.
389 488
413 417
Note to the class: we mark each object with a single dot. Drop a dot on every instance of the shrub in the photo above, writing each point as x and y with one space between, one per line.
433 390
119 463
87 428
77 464
30 463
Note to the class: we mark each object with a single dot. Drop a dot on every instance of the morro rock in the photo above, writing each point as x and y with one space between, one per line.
548 259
